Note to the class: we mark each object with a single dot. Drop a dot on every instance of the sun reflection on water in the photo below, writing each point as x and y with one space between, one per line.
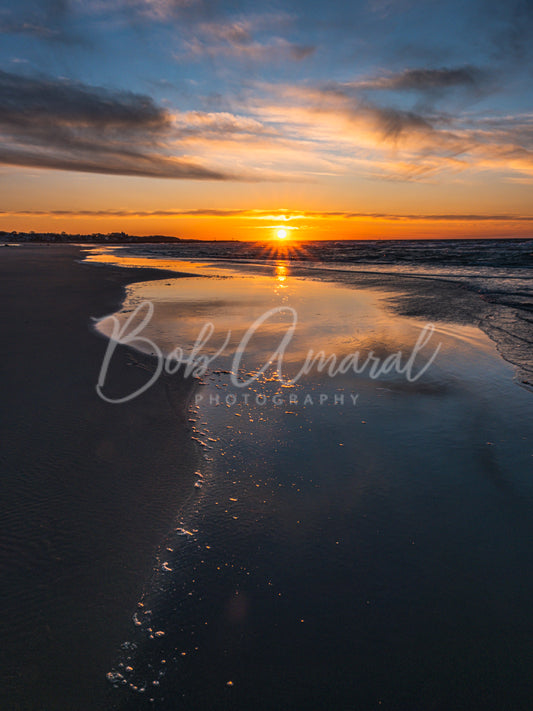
281 272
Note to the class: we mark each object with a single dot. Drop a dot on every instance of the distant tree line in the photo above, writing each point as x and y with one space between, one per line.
95 237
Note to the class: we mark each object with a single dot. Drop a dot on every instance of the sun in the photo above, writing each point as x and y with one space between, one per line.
281 234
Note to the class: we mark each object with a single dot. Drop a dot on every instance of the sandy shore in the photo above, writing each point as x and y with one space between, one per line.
88 489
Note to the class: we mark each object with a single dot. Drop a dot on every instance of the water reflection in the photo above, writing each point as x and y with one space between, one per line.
281 272
327 536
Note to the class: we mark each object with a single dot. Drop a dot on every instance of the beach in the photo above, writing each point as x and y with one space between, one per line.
267 341
334 537
87 492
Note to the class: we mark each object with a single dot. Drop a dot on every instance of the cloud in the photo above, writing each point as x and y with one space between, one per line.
154 10
428 80
238 33
217 125
50 19
30 101
64 125
384 141
248 37
392 122
338 104
279 132
285 215
276 49
132 165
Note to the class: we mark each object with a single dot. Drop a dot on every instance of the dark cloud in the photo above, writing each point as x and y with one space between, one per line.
34 100
133 165
393 122
301 51
429 80
285 214
390 121
442 218
67 125
130 213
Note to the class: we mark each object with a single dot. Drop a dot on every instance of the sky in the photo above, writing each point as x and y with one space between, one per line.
228 120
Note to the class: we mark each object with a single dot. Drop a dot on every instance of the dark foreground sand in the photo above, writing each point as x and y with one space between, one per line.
88 489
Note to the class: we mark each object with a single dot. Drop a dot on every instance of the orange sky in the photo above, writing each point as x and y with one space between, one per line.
257 226
329 207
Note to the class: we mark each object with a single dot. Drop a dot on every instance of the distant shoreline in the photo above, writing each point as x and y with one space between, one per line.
94 238
118 238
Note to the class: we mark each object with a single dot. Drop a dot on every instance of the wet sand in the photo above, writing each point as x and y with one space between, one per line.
89 489
352 555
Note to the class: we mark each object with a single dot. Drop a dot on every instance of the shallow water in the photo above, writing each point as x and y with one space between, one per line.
369 551
496 274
